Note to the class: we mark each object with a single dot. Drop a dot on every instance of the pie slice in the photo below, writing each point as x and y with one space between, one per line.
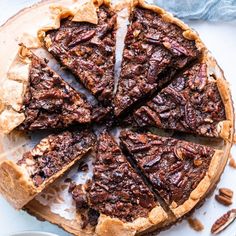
119 202
84 42
192 103
180 172
41 99
22 181
156 46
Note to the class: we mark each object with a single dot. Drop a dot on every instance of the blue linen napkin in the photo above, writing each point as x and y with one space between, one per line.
211 10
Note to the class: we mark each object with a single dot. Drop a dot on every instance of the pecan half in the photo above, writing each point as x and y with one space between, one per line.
226 191
223 222
223 200
225 196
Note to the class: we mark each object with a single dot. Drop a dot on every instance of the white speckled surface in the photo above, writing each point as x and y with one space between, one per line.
220 38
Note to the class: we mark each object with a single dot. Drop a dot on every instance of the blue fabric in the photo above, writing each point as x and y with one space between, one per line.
212 10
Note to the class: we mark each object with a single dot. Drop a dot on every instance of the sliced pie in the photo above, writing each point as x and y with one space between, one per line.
84 42
42 99
123 202
22 181
156 46
180 172
191 103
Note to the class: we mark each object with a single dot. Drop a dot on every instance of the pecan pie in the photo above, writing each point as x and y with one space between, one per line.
49 102
191 103
88 50
48 160
116 192
139 182
154 50
179 171
45 100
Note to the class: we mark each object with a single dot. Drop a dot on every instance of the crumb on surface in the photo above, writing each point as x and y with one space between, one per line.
195 224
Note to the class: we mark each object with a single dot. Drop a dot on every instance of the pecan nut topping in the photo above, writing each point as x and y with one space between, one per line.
189 104
223 222
115 189
173 167
50 102
54 152
154 51
88 51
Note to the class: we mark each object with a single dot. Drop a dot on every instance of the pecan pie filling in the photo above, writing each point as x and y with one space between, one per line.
115 190
88 50
173 167
154 50
55 152
191 103
50 102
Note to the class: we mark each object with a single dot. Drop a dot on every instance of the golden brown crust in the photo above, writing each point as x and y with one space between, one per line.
113 226
16 184
12 93
225 128
13 89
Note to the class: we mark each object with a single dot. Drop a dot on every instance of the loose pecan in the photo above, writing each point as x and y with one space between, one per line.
225 196
223 222
223 200
226 191
232 162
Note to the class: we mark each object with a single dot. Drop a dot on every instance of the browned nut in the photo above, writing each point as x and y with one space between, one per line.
225 196
226 192
197 162
223 222
232 163
223 200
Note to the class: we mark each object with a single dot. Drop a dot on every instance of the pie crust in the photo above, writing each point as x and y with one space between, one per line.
10 103
17 185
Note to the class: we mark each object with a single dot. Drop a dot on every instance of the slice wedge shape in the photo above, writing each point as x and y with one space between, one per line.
124 204
156 46
86 47
180 172
49 159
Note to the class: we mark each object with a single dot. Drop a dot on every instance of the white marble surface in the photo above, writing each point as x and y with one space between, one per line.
220 38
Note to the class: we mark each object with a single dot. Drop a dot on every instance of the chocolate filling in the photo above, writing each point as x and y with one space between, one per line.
88 50
55 152
191 103
173 167
115 190
154 50
50 102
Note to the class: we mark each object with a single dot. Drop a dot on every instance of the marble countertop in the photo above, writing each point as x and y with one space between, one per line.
220 38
